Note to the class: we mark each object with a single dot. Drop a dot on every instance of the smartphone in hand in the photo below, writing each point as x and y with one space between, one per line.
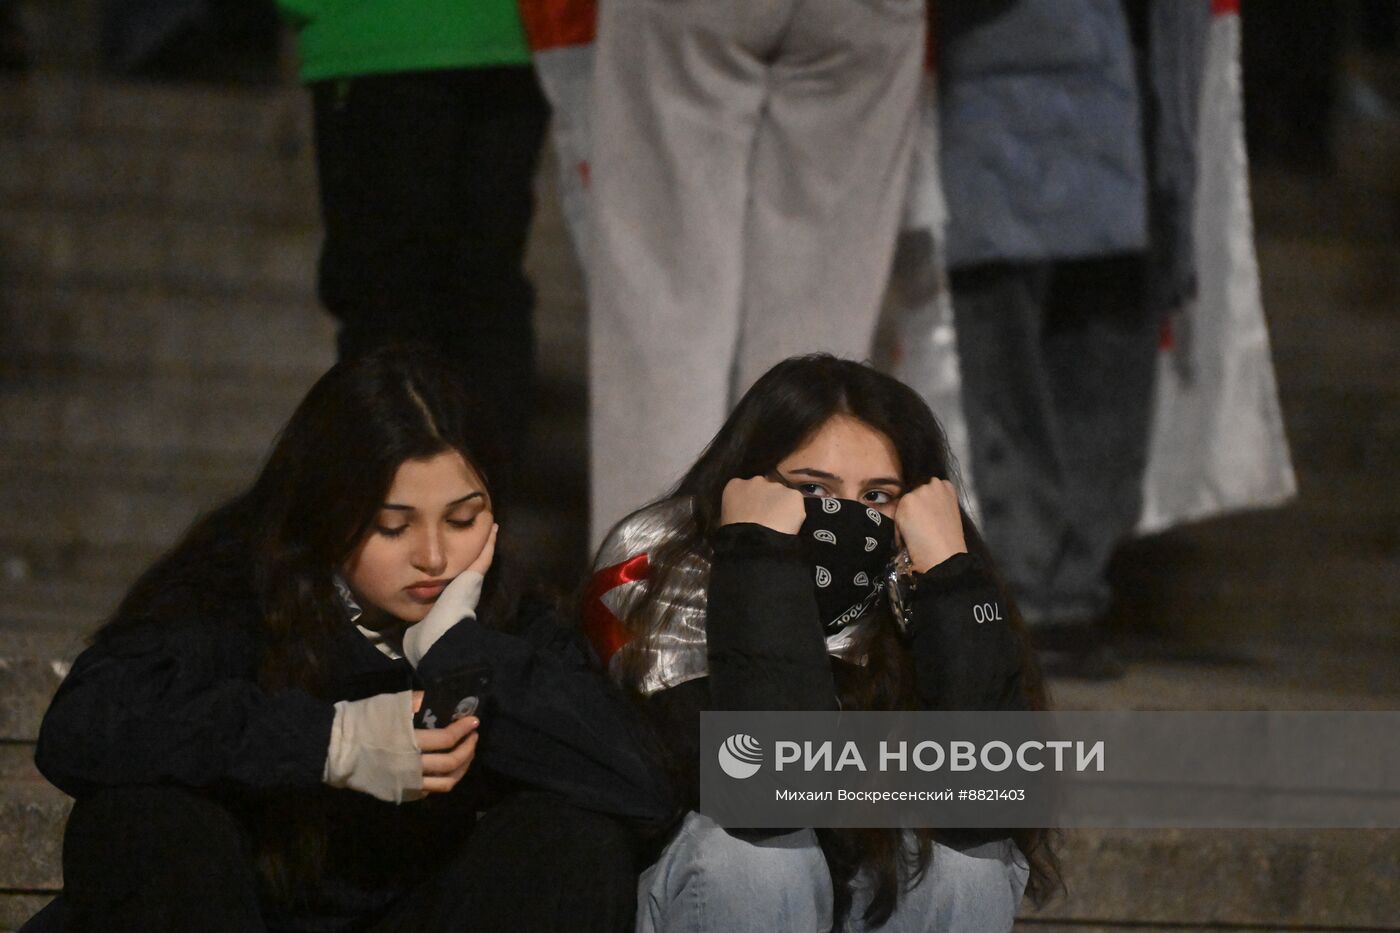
451 696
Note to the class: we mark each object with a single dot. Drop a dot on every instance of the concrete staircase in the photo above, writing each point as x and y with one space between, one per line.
158 323
156 279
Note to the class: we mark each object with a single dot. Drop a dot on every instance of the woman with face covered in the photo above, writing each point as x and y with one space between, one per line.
761 584
240 737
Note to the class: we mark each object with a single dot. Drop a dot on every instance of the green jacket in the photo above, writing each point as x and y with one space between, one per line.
340 38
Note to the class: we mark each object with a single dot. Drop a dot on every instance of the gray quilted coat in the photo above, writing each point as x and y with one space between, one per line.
1042 111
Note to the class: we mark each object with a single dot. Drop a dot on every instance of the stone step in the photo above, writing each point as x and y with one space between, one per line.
174 415
197 179
1203 593
150 329
1338 510
1336 271
1333 880
1159 605
1317 412
1327 514
33 661
1316 399
260 120
1315 324
17 908
1349 442
1292 581
1358 592
1355 582
1360 200
96 503
91 286
1305 359
1293 534
1301 530
77 582
117 461
1032 925
129 248
59 580
38 575
66 608
1362 493
1195 879
1224 667
32 813
38 572
154 329
1323 455
110 513
210 252
1361 347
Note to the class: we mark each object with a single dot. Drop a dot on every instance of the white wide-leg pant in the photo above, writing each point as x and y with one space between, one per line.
749 167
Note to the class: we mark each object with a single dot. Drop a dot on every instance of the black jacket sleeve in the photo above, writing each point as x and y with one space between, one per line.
767 649
674 716
553 720
966 655
164 702
766 646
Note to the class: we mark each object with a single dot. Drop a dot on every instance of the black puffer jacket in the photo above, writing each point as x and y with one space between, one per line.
767 650
169 696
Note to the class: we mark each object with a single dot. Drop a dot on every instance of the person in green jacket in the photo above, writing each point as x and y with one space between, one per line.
428 125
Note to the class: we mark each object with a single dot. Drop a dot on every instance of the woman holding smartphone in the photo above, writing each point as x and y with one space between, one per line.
816 557
239 737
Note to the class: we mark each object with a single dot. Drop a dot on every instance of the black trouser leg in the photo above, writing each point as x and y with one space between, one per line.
1100 347
1017 461
157 860
1058 366
532 863
426 193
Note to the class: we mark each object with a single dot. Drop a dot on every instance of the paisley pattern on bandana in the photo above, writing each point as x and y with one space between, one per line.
848 545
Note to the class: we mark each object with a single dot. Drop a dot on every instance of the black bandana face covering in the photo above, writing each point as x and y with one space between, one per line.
848 545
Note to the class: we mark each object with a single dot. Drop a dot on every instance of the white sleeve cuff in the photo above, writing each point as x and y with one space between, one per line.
457 602
373 749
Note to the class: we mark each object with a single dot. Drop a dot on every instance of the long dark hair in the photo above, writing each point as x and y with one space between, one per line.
784 408
287 536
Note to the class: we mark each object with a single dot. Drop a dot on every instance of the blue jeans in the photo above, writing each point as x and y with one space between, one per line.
707 880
